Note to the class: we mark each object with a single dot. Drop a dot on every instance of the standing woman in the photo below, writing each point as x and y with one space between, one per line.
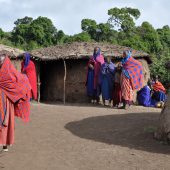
28 68
14 100
93 75
131 78
107 81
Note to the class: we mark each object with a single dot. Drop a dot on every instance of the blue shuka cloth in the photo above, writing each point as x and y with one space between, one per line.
95 55
159 96
90 79
124 60
90 83
144 97
107 80
27 59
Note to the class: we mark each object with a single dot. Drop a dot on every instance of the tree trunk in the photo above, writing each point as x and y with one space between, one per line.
163 132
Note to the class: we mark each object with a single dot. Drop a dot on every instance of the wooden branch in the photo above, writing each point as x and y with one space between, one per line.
65 76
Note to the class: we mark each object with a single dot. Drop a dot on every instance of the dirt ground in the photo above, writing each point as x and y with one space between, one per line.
87 138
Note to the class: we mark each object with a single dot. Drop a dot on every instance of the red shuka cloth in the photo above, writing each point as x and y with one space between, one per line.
17 88
30 71
97 66
159 87
135 71
117 94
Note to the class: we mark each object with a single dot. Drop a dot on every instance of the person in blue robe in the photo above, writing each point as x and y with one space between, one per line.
144 97
107 80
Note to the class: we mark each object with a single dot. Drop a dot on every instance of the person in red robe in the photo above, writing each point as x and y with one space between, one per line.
117 93
131 78
14 100
28 68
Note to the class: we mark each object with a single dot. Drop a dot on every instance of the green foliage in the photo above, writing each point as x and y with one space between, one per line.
123 18
82 37
102 32
30 34
158 67
26 20
164 36
150 37
2 33
89 26
59 37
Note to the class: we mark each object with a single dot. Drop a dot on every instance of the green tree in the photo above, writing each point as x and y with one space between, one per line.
99 32
41 32
123 18
81 37
59 37
2 33
89 26
164 36
150 38
25 20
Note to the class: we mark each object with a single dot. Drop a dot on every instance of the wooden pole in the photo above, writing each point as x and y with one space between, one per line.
65 76
39 82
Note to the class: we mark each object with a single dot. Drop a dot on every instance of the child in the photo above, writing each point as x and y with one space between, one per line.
117 95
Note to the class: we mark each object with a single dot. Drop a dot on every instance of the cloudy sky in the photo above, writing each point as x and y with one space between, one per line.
67 14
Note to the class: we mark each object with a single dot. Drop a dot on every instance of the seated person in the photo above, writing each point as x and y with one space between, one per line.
144 97
159 91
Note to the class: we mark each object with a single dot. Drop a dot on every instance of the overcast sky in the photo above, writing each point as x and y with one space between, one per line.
67 14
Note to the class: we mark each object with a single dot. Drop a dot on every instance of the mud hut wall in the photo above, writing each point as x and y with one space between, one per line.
17 64
146 74
75 82
51 76
146 70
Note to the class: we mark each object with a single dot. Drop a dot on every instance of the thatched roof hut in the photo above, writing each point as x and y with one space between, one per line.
83 51
10 51
62 68
13 53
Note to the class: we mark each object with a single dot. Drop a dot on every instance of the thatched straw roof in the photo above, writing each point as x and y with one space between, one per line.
11 52
82 50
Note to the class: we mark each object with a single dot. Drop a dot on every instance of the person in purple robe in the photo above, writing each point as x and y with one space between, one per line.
107 81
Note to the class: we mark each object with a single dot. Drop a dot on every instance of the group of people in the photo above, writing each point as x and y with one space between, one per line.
118 83
16 91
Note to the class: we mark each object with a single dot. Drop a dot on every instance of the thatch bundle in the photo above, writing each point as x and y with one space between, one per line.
83 50
11 52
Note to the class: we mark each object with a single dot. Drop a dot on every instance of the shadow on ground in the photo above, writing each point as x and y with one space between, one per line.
127 130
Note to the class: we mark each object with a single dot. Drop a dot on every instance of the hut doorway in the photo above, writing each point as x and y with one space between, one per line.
52 84
52 81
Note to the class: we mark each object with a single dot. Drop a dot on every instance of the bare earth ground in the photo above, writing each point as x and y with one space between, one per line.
87 138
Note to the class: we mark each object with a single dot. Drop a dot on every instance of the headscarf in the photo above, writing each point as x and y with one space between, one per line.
95 55
157 86
124 60
27 59
128 54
